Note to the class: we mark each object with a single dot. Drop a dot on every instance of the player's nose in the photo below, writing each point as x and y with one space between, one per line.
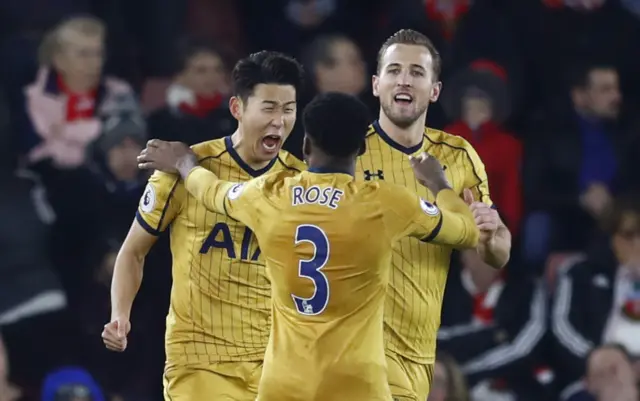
278 121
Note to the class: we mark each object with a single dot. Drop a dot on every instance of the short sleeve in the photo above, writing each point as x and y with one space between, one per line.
449 223
476 176
234 199
408 215
159 203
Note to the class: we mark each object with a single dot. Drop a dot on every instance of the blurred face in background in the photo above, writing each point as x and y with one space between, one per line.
601 97
626 240
440 383
122 160
477 109
405 83
204 74
609 369
345 70
80 58
266 119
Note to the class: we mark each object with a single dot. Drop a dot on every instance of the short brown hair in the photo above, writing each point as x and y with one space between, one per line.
411 37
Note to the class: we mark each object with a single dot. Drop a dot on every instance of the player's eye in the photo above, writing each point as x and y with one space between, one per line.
268 110
417 73
289 110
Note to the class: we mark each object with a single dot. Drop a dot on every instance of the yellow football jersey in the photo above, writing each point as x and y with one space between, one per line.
419 269
220 300
327 241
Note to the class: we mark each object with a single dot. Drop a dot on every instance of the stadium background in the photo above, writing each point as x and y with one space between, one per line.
532 84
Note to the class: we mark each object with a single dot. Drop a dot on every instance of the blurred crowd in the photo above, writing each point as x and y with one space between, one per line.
547 92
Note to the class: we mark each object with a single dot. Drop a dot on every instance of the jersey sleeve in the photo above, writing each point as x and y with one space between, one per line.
160 202
229 198
476 176
449 223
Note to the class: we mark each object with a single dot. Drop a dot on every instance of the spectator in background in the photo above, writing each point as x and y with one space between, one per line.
610 377
8 392
120 181
448 382
493 324
64 103
197 102
478 101
335 64
596 299
574 162
71 384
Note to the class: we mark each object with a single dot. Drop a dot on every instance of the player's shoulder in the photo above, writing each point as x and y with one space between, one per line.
290 162
438 137
452 144
210 149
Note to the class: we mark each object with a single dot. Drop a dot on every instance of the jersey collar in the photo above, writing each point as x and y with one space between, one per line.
385 137
243 165
327 170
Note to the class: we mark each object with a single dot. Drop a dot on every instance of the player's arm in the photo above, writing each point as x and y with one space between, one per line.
449 223
159 205
494 246
224 197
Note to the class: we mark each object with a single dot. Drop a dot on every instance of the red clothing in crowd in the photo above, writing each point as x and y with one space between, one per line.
502 157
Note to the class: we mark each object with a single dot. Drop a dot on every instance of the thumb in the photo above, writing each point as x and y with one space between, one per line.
122 329
468 196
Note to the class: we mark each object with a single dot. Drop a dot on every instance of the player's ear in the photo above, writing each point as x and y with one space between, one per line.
435 92
363 148
236 107
374 85
306 147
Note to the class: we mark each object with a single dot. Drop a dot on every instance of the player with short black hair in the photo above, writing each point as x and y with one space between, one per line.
327 238
218 322
329 132
407 82
265 67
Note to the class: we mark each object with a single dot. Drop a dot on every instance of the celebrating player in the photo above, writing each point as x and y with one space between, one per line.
218 322
406 82
327 239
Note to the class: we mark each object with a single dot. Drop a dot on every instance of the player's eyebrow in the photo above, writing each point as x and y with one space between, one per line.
395 65
274 103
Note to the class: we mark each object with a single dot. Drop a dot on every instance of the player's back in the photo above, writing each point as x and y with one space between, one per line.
328 246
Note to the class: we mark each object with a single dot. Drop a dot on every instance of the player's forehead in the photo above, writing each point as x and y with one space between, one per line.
405 56
274 94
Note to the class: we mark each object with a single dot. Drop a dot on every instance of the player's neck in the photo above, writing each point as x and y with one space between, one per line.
331 165
244 148
407 137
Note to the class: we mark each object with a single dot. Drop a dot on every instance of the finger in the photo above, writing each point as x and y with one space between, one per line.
487 227
147 166
153 143
115 347
468 196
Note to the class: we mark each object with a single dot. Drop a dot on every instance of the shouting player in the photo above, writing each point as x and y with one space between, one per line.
327 239
406 82
218 321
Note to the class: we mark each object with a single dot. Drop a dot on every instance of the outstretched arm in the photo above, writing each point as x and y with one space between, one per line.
202 184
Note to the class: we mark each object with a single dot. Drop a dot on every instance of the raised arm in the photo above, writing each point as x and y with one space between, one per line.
216 195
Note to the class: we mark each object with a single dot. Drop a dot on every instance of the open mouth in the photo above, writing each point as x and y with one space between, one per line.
271 143
403 99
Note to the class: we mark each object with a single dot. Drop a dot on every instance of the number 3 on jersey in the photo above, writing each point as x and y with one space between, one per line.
312 270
